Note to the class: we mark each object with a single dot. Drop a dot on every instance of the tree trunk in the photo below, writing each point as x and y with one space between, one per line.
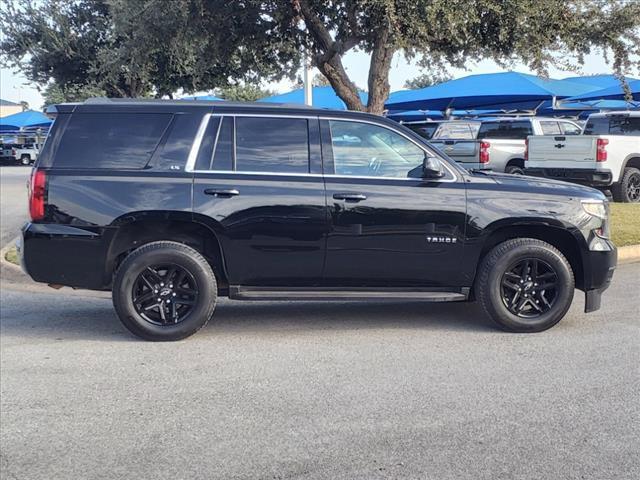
379 67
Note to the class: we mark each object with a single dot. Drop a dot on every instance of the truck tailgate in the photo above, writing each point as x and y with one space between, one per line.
547 151
462 151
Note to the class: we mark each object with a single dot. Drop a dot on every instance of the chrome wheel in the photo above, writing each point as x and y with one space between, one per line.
164 294
529 288
633 188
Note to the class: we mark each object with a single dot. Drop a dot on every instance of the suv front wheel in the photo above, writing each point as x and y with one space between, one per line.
525 285
164 291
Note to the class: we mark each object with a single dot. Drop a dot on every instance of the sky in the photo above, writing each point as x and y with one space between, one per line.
14 87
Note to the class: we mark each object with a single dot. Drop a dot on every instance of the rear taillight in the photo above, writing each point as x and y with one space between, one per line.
526 149
484 152
37 194
601 149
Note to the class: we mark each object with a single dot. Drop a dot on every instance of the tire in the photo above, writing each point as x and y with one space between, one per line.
25 160
168 312
627 190
499 265
514 170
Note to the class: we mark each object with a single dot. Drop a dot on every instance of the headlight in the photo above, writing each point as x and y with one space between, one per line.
595 208
599 209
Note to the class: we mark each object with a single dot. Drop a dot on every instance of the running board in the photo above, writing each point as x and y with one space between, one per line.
237 292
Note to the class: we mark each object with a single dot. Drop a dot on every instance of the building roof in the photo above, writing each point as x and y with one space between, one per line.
7 103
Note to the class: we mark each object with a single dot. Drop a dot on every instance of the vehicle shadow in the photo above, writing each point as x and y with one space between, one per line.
72 318
260 316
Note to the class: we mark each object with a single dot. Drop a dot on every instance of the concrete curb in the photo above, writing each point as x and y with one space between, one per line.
629 254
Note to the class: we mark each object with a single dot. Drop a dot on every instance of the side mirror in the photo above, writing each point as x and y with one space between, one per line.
432 167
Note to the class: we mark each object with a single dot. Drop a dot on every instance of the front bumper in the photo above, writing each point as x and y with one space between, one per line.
583 176
598 269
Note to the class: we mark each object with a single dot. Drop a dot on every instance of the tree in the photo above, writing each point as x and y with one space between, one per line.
54 93
159 46
427 80
66 41
243 92
320 80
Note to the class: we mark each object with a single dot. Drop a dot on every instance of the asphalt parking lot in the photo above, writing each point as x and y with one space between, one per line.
320 390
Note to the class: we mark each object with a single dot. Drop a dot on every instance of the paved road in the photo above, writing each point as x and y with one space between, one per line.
317 391
13 201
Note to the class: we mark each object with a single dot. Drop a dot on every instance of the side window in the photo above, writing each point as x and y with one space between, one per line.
550 128
597 126
276 145
173 153
425 131
216 149
624 125
110 140
362 149
455 131
205 154
570 128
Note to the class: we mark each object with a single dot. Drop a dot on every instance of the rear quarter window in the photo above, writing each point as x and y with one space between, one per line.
110 140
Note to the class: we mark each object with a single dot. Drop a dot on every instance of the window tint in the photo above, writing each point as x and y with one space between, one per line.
175 150
614 125
425 131
205 154
456 131
362 149
272 145
550 128
223 150
505 130
570 128
110 140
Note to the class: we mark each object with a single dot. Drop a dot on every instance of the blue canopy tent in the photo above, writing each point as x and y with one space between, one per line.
611 93
418 115
203 97
507 90
597 81
28 119
322 97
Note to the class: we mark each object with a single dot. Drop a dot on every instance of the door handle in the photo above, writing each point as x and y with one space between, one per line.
216 192
350 197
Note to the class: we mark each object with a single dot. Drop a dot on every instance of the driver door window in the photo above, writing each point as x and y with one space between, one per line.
365 150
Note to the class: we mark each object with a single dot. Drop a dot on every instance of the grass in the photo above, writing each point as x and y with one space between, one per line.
12 256
625 224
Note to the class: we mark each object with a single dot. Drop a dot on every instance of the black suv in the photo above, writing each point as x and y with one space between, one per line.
170 204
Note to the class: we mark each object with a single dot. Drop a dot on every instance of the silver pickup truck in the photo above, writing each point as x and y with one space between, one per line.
500 142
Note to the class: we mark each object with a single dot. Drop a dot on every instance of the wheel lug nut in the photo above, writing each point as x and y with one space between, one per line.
162 284
174 295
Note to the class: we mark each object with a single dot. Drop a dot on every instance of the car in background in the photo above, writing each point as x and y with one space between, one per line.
500 142
606 156
24 154
439 129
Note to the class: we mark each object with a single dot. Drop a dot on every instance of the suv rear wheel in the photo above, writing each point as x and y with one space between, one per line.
627 190
164 291
25 159
525 285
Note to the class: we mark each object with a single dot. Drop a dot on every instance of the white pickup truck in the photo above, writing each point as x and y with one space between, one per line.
606 156
24 154
500 142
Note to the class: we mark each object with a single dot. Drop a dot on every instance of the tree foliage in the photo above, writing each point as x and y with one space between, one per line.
246 92
156 47
426 80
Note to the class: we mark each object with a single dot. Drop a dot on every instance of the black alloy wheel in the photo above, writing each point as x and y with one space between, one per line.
164 294
164 291
525 285
529 288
